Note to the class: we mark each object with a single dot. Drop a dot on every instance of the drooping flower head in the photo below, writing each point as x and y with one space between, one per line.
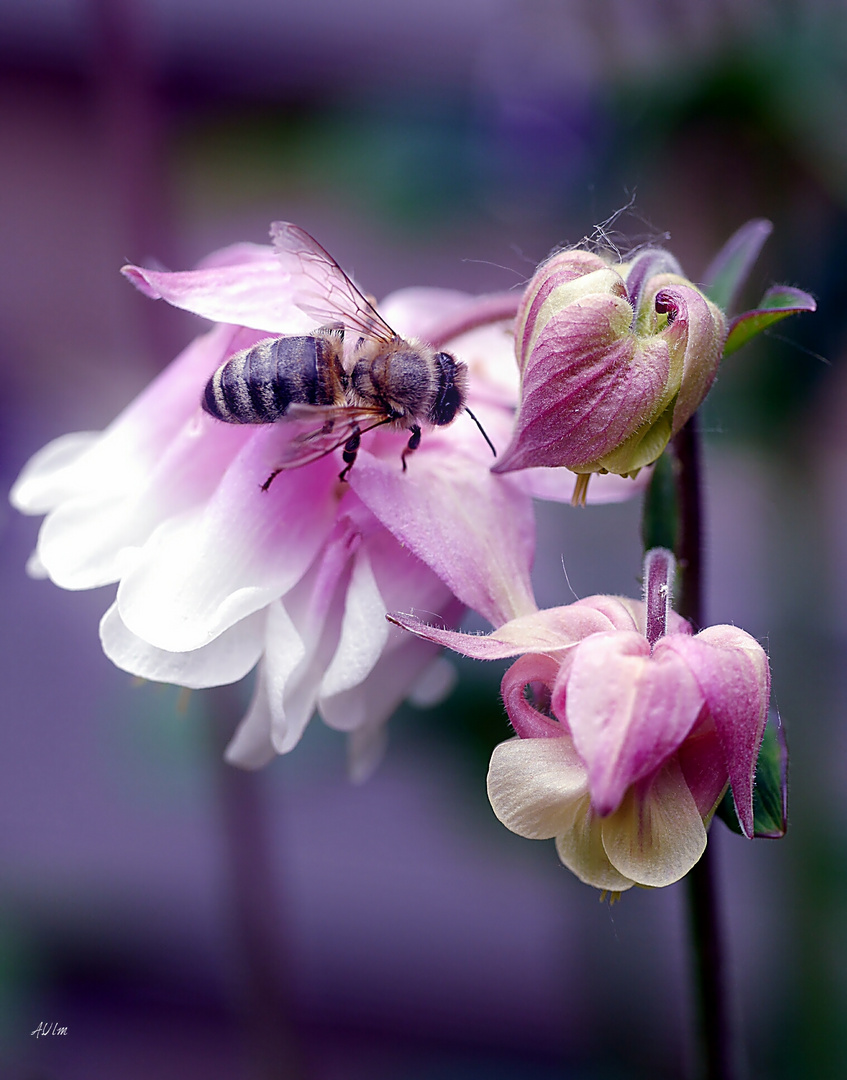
629 729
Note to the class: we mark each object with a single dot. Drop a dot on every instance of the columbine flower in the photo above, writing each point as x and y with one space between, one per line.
635 730
613 360
216 575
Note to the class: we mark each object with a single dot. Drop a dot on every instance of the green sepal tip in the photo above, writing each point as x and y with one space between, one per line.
770 801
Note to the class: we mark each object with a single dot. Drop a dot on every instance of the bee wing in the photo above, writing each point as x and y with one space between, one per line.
330 294
323 428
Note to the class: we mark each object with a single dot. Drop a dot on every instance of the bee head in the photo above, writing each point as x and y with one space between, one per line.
452 389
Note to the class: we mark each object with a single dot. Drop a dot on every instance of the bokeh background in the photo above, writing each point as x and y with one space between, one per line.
435 143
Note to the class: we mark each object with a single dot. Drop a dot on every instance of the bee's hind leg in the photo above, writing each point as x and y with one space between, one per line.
412 445
351 448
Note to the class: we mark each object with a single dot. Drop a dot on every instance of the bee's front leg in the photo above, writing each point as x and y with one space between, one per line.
412 445
351 448
271 479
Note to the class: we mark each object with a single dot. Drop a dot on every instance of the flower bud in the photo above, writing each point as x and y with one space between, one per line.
613 360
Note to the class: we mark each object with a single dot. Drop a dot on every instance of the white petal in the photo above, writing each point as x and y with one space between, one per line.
91 539
655 838
435 684
374 699
285 652
376 665
35 568
118 459
251 746
45 478
225 660
211 567
532 784
365 750
364 631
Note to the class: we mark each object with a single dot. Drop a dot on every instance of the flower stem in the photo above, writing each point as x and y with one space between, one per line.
256 910
718 1057
689 538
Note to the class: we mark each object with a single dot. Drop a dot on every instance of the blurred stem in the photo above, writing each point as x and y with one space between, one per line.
258 912
718 1057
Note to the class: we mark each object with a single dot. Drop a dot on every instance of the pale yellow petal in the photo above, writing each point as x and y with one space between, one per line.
532 783
580 847
656 836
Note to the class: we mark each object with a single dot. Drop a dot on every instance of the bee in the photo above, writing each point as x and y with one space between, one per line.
352 374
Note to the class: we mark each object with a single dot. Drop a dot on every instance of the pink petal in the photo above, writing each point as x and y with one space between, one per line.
551 276
701 759
474 531
698 331
628 711
540 632
589 384
372 701
732 671
529 722
259 294
413 312
110 462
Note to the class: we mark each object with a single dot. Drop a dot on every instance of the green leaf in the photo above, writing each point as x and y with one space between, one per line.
778 303
729 269
770 795
660 516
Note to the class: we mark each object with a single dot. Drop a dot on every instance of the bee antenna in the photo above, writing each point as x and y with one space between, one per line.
482 429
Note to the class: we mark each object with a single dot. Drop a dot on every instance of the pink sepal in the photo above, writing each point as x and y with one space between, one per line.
627 710
732 670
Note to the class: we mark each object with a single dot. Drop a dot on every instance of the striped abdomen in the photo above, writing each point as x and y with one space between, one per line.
256 386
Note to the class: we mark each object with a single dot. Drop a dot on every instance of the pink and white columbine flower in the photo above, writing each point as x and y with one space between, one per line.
614 358
216 576
636 730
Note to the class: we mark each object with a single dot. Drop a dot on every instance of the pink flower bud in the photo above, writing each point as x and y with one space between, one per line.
614 358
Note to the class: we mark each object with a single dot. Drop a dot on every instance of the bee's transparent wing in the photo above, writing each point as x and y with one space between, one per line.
330 295
322 429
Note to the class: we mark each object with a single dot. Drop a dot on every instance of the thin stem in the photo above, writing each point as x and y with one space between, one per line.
719 1056
689 546
256 908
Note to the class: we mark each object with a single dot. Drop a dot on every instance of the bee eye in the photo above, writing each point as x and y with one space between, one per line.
451 389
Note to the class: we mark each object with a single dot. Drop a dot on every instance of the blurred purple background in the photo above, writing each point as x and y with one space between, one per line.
444 144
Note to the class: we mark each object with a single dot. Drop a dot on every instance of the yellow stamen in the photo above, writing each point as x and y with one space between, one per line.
580 491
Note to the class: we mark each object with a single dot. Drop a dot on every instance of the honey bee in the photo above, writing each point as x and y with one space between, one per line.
352 374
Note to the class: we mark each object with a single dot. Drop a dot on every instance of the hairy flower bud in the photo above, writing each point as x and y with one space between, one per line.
613 360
